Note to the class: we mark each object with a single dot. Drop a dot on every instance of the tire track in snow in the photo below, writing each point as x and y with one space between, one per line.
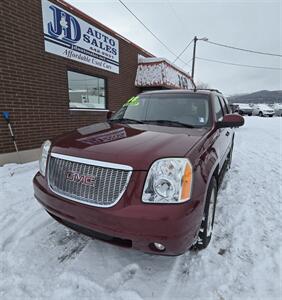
7 221
76 286
73 252
118 279
78 283
173 276
249 219
67 243
20 229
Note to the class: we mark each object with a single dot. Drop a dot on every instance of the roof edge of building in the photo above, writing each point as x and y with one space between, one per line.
92 20
156 60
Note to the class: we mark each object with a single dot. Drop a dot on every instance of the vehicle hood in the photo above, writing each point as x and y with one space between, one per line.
245 107
265 108
136 145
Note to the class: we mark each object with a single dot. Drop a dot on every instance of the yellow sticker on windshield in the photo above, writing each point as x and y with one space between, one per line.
133 101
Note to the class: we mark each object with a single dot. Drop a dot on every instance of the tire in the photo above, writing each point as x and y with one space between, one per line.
271 116
229 157
205 233
249 115
260 114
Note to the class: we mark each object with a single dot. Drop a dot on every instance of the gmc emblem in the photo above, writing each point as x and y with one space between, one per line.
78 178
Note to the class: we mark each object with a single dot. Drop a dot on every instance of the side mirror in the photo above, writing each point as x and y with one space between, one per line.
231 120
109 114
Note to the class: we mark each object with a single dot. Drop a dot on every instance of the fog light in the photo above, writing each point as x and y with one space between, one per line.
159 246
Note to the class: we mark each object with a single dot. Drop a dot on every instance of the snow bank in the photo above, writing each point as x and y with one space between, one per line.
41 259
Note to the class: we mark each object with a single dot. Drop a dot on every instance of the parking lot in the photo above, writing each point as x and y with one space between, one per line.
40 258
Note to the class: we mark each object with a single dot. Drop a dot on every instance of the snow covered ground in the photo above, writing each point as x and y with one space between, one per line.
41 259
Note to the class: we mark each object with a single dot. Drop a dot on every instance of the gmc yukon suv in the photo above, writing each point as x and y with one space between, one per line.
146 178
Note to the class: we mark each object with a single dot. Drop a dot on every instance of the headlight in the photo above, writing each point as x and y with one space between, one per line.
44 155
169 181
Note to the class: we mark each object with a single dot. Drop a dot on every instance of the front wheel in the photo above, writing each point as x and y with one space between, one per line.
205 232
260 114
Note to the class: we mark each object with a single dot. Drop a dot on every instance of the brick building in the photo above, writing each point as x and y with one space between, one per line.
61 69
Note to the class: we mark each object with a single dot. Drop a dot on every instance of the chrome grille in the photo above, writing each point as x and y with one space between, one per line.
87 181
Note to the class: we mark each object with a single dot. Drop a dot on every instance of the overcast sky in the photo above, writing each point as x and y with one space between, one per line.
255 25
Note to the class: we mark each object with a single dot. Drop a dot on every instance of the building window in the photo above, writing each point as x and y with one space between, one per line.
86 91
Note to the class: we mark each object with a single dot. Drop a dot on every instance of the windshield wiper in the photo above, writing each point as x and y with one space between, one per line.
125 120
170 122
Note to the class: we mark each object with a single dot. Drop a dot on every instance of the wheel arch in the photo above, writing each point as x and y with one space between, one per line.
214 172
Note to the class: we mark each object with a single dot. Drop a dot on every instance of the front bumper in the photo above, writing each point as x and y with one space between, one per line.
175 226
246 112
268 113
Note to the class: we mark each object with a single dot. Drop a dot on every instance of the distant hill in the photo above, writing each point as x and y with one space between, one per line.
257 97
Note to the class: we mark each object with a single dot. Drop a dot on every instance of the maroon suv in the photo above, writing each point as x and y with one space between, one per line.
148 177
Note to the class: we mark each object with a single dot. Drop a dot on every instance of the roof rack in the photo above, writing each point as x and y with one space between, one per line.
212 90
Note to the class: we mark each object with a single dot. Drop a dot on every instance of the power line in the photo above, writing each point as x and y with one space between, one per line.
179 55
214 43
179 19
242 49
239 65
187 63
149 30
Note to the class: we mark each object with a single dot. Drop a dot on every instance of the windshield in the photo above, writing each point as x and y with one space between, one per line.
190 110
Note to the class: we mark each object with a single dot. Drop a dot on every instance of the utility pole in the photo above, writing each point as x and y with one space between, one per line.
194 56
194 53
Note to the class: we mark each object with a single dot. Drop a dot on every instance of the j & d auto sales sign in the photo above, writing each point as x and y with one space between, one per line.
71 37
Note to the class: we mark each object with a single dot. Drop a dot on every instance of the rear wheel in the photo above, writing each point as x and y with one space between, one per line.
260 114
205 233
229 157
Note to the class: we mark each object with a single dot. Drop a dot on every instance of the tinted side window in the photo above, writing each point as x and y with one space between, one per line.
218 109
223 105
226 105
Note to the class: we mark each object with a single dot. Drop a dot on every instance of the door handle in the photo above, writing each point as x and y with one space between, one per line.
227 133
